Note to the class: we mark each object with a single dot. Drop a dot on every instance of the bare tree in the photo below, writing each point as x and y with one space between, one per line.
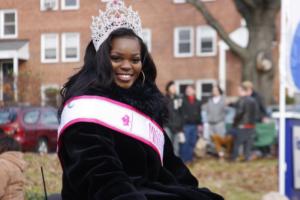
257 60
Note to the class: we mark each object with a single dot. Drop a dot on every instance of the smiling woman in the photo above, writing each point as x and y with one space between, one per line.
111 144
126 61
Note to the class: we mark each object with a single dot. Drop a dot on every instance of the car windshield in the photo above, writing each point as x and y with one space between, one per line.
7 116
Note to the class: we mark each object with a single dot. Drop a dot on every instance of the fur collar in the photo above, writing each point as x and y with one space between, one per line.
146 98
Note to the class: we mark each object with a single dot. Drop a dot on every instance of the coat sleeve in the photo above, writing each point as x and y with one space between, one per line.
4 179
175 165
90 164
183 174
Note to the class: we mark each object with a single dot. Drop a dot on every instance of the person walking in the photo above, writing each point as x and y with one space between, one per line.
111 143
174 125
244 122
261 114
12 166
192 120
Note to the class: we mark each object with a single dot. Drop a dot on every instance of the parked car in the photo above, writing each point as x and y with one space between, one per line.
35 128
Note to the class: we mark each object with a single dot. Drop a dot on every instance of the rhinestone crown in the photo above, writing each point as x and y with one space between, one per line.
116 16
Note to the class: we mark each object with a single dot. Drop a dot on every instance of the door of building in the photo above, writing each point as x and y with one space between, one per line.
6 81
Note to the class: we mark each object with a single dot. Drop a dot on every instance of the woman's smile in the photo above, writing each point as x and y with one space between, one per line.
124 77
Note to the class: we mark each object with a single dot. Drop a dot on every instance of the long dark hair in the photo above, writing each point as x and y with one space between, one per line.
97 69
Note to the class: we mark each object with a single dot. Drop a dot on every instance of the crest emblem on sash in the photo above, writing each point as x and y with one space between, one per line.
126 120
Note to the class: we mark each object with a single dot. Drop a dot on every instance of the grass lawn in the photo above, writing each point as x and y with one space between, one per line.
235 181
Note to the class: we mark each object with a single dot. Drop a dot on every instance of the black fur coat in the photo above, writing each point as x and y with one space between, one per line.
101 164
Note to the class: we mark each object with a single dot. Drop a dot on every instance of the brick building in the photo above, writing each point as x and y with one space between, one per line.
42 42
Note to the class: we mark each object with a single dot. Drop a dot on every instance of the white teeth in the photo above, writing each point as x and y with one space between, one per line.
124 77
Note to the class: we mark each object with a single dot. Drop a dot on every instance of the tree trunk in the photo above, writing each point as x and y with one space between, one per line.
261 36
258 65
263 82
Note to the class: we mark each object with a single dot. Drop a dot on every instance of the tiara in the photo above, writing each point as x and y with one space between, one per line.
116 16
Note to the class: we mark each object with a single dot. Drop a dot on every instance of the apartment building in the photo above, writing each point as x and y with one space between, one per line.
42 43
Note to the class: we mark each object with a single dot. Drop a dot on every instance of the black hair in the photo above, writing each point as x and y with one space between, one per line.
169 84
97 70
9 144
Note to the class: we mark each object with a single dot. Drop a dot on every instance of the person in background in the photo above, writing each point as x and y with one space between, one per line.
2 104
192 120
244 122
12 166
174 125
261 115
216 109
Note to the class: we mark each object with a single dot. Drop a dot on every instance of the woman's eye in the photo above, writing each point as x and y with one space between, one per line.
115 58
136 60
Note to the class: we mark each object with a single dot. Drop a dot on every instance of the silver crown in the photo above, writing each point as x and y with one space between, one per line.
116 16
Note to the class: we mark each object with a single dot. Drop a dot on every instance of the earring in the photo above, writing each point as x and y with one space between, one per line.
144 77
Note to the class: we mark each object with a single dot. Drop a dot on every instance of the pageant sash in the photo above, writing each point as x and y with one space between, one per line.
114 115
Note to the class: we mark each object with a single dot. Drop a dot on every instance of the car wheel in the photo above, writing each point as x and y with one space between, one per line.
42 146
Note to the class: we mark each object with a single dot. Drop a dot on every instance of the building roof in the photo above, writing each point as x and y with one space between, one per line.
19 46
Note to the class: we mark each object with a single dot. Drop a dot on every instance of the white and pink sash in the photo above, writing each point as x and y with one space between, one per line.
115 115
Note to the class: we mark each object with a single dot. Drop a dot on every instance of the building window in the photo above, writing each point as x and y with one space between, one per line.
70 47
179 1
147 38
206 41
8 24
47 5
70 4
49 48
183 41
204 89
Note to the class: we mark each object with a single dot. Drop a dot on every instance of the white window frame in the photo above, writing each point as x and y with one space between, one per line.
65 7
43 8
63 48
147 34
200 29
43 59
199 84
43 88
176 42
179 1
2 34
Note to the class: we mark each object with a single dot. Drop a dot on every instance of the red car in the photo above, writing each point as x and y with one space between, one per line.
35 128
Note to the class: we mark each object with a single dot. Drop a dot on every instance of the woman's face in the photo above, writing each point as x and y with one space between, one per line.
190 91
172 89
125 58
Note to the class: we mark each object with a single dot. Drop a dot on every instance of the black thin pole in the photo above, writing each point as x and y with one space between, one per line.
44 183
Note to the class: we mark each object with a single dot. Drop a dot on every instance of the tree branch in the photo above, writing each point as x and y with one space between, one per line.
237 49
